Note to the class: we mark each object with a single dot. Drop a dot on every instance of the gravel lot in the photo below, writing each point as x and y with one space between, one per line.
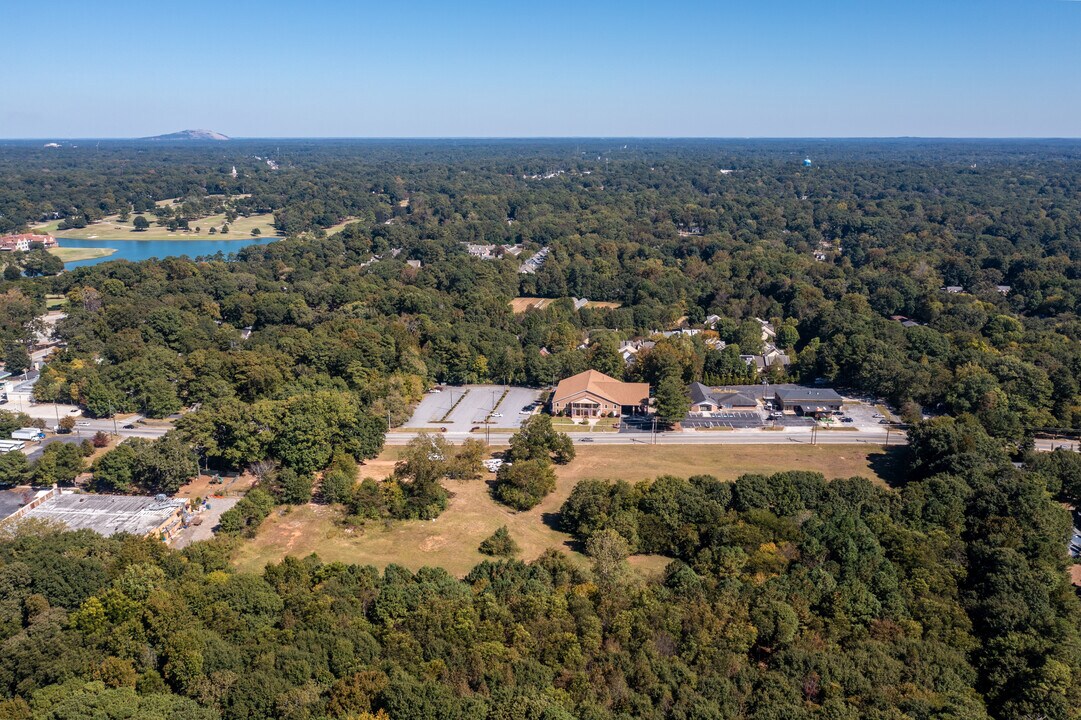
205 530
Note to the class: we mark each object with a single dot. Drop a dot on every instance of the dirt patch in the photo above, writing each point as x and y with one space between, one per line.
210 486
433 543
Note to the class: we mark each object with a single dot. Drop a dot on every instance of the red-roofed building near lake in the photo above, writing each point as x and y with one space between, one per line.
22 242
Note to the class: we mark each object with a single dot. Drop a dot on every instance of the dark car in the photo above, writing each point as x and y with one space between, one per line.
129 426
586 439
847 419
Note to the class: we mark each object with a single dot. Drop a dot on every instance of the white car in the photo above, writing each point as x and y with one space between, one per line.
83 424
497 415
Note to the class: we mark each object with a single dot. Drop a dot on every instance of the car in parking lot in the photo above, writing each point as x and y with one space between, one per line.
847 420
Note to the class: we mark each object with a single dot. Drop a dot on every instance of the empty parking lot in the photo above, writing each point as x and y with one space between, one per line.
460 408
731 418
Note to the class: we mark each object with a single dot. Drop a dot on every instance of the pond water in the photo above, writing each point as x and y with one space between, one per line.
136 250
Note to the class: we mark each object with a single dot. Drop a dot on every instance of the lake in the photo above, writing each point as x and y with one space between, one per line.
136 250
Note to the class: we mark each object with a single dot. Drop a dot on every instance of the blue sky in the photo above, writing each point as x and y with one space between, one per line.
329 68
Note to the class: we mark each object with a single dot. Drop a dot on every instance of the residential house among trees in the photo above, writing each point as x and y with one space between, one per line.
594 394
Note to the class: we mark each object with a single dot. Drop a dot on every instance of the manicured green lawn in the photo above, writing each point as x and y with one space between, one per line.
112 228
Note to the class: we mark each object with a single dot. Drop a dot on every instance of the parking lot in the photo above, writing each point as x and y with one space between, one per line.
726 418
472 405
863 415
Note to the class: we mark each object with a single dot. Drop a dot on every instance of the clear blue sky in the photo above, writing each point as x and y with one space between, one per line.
727 68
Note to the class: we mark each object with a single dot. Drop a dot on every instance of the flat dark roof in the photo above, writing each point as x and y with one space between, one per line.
807 396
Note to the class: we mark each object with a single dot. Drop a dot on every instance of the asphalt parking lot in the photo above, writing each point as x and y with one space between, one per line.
727 418
794 421
472 404
636 424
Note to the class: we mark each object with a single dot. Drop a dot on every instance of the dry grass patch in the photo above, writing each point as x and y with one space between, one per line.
450 541
727 462
521 304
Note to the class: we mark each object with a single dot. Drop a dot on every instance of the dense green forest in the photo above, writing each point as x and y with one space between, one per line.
787 597
656 227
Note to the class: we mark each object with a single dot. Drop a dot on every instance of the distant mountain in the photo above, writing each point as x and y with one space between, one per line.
190 135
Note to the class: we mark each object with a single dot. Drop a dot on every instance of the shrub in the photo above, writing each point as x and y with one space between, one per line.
500 544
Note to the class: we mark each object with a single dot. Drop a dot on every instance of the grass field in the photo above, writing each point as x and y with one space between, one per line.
55 302
111 228
450 541
73 254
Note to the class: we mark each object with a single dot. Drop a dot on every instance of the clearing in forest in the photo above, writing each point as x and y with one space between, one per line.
450 541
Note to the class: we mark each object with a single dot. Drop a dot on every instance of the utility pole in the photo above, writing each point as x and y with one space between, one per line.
654 432
887 436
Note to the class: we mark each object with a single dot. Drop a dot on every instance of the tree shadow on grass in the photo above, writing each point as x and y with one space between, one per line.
554 521
891 464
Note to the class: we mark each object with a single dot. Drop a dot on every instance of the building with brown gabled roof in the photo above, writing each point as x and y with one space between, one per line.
594 394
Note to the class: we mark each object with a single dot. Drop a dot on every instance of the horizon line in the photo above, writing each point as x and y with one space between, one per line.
153 138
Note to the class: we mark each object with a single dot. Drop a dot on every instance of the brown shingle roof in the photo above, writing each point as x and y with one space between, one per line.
601 385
